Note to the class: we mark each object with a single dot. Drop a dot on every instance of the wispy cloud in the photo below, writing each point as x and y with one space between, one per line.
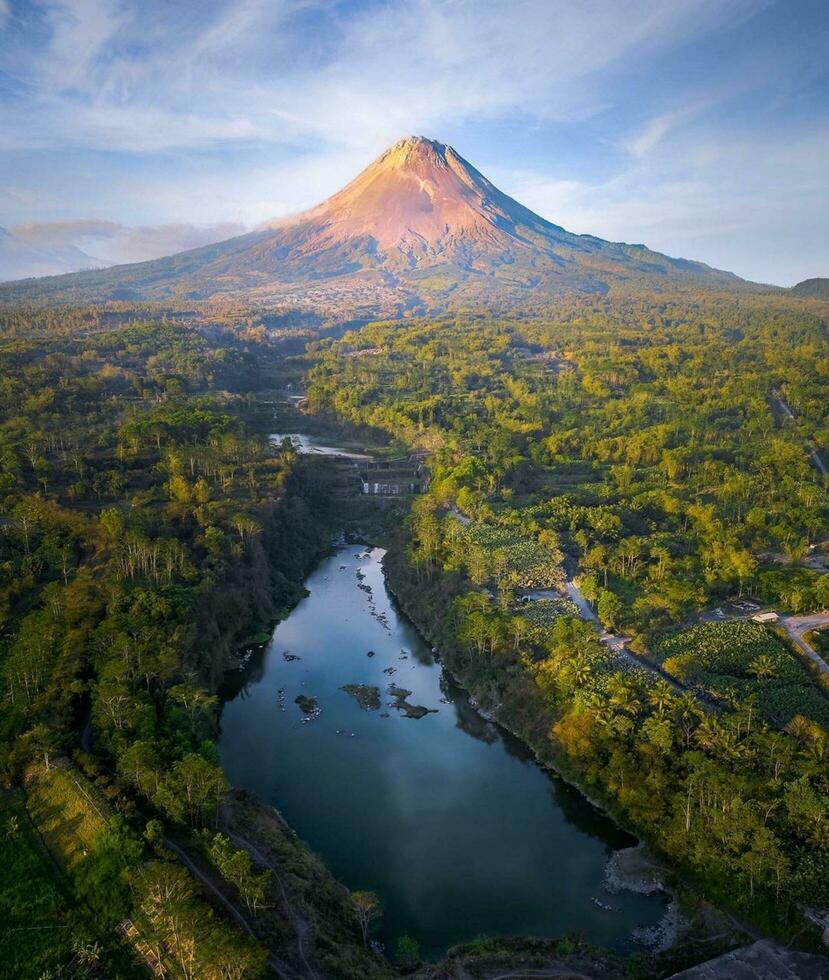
719 210
110 242
143 77
658 128
81 33
625 118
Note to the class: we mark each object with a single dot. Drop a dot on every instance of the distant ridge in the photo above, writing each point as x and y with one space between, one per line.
419 229
812 289
20 258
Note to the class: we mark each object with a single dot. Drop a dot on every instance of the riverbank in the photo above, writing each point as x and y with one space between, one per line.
692 928
491 708
308 921
674 942
259 589
365 521
635 869
406 790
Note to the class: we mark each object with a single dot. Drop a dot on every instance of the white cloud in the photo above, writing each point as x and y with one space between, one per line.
111 243
144 77
719 212
160 114
81 32
658 128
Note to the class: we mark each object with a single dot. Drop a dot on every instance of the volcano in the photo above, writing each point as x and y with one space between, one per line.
419 229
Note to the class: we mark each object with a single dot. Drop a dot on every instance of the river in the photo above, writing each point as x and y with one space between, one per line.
307 445
446 817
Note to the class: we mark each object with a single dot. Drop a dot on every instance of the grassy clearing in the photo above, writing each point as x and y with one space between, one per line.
61 823
66 813
39 921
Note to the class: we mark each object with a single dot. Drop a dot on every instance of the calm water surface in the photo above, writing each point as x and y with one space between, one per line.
446 817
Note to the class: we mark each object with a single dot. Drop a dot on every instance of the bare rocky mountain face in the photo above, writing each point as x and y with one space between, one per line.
419 229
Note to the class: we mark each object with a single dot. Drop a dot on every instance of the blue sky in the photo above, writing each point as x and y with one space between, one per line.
700 127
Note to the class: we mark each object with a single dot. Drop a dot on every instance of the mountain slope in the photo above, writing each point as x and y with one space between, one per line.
812 289
19 258
419 228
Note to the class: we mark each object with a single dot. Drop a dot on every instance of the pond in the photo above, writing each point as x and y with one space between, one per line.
445 816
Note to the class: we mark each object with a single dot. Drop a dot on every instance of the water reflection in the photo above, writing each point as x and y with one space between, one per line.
238 683
467 718
446 817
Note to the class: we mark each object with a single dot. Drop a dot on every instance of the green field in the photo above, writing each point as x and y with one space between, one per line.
40 921
69 819
543 613
505 554
735 660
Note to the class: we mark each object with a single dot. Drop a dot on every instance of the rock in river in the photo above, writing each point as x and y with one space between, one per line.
308 706
366 695
410 710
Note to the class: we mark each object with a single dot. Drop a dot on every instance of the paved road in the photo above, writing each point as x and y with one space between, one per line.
574 593
618 644
797 626
816 458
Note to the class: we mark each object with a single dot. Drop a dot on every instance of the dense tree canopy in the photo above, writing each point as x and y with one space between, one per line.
662 450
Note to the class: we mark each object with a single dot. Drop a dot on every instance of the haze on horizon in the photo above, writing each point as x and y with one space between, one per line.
699 127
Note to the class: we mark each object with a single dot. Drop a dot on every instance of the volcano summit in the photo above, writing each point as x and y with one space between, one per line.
419 229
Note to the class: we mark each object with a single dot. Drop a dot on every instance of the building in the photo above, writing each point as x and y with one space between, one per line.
766 617
390 488
393 477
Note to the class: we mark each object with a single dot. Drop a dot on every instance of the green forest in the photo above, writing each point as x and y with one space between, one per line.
652 454
148 532
644 447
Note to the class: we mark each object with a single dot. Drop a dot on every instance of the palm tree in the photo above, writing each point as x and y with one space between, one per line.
580 670
687 712
623 694
762 666
710 734
661 696
601 710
